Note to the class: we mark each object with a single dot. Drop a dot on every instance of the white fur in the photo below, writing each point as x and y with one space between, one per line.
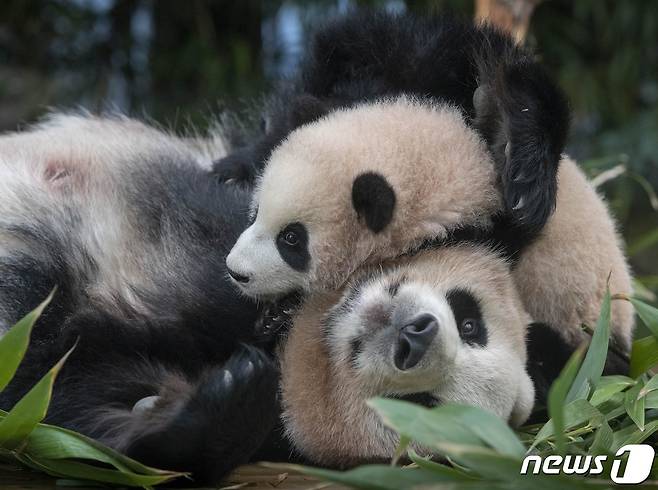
68 173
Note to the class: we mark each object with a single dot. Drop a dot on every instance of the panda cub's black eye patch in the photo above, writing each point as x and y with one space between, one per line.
292 243
468 315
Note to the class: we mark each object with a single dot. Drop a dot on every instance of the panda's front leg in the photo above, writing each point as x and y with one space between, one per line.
220 423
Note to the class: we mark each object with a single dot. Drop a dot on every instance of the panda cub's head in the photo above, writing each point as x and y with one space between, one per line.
358 186
444 326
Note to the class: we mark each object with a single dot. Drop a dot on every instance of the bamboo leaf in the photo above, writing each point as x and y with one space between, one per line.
50 442
597 353
576 414
602 442
370 477
651 385
558 394
419 424
608 386
70 469
442 470
13 345
634 404
17 425
632 435
448 422
647 313
644 355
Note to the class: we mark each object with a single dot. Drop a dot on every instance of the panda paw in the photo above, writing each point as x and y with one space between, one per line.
277 318
235 168
224 421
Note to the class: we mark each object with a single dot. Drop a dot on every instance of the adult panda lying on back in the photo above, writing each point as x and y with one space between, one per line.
124 219
475 155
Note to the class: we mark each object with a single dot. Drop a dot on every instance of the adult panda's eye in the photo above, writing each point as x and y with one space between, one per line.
469 328
291 239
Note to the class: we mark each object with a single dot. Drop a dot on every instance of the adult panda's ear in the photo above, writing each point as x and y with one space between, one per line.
305 109
374 200
524 118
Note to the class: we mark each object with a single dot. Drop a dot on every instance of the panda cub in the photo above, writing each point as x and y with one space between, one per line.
446 325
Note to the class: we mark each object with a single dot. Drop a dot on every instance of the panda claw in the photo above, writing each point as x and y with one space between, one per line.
146 404
227 379
519 204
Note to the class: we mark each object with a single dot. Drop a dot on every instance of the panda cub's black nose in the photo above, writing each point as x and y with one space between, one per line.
414 339
237 277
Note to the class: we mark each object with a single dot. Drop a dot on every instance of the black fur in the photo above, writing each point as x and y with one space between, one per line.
466 309
505 237
507 96
548 353
373 199
296 256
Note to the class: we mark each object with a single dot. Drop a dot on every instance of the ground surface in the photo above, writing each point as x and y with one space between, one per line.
248 477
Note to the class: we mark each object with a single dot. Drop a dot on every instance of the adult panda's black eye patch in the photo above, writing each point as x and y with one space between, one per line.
373 199
468 315
292 243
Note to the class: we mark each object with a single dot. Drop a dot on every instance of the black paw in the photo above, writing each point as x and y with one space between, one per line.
223 423
277 318
235 168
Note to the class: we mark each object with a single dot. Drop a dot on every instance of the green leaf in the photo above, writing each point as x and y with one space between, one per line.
632 435
644 355
614 407
576 414
69 469
419 424
602 442
608 386
448 422
443 471
17 425
597 353
558 394
50 442
651 385
647 313
13 344
495 466
634 404
651 400
370 477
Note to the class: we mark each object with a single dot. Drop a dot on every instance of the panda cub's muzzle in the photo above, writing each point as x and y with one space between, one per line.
414 340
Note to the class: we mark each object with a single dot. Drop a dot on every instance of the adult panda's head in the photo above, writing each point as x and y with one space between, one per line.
443 326
360 185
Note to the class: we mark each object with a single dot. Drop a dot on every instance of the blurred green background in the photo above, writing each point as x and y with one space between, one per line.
182 61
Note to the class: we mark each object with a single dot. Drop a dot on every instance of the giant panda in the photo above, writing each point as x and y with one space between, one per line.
125 220
444 325
381 179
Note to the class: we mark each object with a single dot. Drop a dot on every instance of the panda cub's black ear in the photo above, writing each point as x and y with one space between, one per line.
373 199
524 117
306 109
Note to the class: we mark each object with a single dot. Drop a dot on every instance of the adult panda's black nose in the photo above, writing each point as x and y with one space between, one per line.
237 277
414 339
